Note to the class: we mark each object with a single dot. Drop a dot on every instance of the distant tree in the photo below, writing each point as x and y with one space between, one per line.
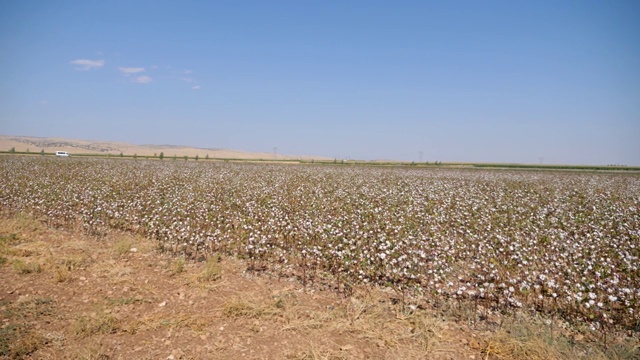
12 150
121 154
207 157
42 152
135 156
175 157
197 157
28 150
161 155
154 155
186 158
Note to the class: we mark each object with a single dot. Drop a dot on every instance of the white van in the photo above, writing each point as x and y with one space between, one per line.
62 153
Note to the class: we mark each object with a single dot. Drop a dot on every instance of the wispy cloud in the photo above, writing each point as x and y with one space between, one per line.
86 64
142 79
139 75
132 74
131 70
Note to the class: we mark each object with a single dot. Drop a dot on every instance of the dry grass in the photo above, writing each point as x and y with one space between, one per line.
212 271
86 326
176 266
529 338
238 307
114 269
18 337
73 263
23 267
426 332
369 318
318 352
17 237
367 315
64 268
21 226
124 301
14 231
122 246
95 350
17 342
156 321
7 240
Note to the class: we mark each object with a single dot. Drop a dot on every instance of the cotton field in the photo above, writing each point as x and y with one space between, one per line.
564 243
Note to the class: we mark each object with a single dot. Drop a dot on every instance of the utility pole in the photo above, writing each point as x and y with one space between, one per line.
420 153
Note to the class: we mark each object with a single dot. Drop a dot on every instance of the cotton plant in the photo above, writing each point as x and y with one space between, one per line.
554 242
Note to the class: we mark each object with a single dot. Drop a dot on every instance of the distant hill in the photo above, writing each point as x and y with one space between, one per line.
74 146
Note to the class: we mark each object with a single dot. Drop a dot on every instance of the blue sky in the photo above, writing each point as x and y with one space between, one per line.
476 81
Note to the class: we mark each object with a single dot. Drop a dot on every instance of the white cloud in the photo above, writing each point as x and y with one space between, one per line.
131 74
197 87
187 79
131 70
85 64
142 80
